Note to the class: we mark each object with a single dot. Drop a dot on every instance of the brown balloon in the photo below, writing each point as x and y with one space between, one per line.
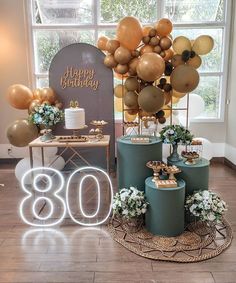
176 60
146 30
121 69
180 44
21 132
119 91
146 49
195 62
154 41
101 43
122 55
48 94
129 32
133 65
184 78
163 27
110 61
157 49
33 104
169 54
146 39
151 99
132 84
112 45
150 67
131 100
165 43
135 53
19 96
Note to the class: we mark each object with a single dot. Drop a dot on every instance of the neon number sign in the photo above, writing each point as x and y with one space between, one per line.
51 196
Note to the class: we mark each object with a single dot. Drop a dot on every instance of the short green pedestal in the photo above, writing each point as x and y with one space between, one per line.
132 159
165 214
195 176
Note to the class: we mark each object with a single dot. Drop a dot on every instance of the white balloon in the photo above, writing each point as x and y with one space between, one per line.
48 152
59 164
24 165
196 104
207 151
165 151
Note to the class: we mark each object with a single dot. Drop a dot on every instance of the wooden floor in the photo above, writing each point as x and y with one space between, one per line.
76 254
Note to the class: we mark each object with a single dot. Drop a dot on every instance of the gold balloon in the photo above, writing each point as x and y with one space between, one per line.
112 45
110 61
33 104
184 78
146 30
129 32
121 69
151 99
21 132
146 49
48 94
19 96
130 117
150 67
165 43
37 94
119 91
132 84
195 62
122 55
177 94
163 27
131 100
101 43
118 104
203 44
176 60
180 44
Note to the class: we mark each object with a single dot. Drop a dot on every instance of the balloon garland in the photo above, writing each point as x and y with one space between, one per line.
156 71
21 132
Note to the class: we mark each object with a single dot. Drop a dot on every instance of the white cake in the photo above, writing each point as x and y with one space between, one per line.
74 118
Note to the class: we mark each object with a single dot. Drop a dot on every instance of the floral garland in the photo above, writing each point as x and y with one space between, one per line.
176 134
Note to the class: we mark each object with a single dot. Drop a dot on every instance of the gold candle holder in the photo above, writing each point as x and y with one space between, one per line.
156 166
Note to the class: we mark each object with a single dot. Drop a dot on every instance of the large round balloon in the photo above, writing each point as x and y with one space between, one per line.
119 91
21 132
207 148
122 55
150 67
101 43
180 44
48 94
129 32
203 44
163 27
184 78
19 96
131 99
132 84
196 105
151 99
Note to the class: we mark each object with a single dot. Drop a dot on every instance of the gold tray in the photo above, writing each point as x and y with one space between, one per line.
72 139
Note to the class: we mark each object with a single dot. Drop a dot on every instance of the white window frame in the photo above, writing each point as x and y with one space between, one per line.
96 26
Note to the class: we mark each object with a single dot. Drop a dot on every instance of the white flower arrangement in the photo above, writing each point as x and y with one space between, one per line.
129 203
206 205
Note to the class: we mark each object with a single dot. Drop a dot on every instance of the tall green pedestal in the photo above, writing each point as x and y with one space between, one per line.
132 159
195 176
165 214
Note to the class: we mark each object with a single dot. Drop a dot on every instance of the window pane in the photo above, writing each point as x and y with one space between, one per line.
194 10
49 42
113 11
211 62
63 11
110 33
42 82
209 89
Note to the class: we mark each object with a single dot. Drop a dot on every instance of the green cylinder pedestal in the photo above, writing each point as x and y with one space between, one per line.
165 214
195 176
132 159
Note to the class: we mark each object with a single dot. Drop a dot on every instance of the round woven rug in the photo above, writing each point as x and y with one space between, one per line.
199 242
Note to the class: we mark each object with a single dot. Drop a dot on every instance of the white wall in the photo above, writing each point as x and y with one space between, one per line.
15 68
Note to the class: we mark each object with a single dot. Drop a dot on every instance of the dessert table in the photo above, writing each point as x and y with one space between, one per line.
72 147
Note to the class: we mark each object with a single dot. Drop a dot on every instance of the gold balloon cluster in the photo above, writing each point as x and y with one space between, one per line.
158 70
22 131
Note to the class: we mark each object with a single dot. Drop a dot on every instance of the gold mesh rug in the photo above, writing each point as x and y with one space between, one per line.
198 242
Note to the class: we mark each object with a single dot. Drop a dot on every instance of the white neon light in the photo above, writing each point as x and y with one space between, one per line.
39 176
29 195
36 215
67 195
80 196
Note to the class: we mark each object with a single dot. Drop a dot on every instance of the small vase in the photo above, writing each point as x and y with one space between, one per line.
47 135
174 157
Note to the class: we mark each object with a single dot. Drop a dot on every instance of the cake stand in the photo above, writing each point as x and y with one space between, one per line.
156 166
75 137
98 131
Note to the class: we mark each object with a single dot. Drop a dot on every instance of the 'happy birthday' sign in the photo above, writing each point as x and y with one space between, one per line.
74 77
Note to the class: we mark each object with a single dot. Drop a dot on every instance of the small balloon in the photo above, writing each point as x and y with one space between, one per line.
33 104
48 94
112 45
19 96
131 100
101 43
180 44
146 49
133 65
121 69
146 30
195 62
132 84
165 43
163 27
110 61
203 44
122 55
37 94
169 54
119 91
176 60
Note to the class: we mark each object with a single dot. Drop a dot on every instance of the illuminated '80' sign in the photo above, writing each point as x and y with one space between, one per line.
50 195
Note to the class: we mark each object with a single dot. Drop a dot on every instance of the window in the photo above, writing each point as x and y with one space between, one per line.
57 23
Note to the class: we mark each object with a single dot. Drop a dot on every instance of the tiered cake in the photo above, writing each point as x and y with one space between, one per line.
74 118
